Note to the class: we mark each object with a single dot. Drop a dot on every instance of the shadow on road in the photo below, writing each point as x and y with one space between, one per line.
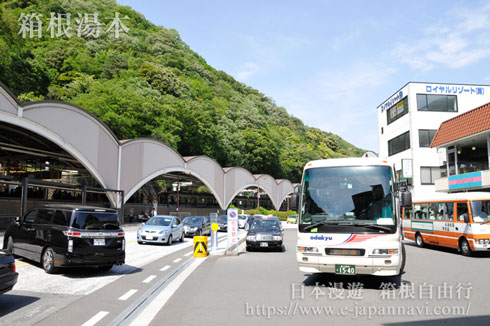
89 271
475 254
474 321
13 302
346 282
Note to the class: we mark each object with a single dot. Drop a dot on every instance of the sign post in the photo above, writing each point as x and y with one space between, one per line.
232 229
214 230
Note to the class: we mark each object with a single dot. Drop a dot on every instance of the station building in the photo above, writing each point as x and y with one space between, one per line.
408 121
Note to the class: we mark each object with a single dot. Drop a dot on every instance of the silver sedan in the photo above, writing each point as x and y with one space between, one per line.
161 229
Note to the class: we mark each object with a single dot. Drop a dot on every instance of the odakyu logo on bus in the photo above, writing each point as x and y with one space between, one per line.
320 237
341 239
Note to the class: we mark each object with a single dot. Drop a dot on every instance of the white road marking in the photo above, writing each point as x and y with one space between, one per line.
177 260
189 253
149 279
127 295
147 315
95 319
163 269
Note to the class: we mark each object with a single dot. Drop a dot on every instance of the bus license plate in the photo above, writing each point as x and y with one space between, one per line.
264 244
99 242
345 269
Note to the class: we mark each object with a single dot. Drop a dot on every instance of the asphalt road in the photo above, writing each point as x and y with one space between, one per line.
163 285
439 287
74 295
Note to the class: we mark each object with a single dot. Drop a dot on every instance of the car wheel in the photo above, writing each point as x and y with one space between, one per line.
48 261
169 240
105 268
464 247
419 241
182 237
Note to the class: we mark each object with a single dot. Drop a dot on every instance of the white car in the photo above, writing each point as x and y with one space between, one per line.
242 220
161 229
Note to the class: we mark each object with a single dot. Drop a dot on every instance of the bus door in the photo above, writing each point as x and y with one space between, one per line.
462 220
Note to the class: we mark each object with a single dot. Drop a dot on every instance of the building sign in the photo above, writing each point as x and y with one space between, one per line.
232 228
454 89
467 180
407 169
392 101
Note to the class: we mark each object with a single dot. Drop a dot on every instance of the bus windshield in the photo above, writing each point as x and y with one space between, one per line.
480 210
356 196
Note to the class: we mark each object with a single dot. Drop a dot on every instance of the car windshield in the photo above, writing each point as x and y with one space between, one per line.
354 196
242 217
480 210
193 220
159 220
95 221
265 225
222 218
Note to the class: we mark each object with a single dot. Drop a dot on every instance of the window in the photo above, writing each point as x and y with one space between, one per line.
426 136
399 144
420 211
462 211
429 102
408 213
60 218
30 217
44 216
429 174
397 111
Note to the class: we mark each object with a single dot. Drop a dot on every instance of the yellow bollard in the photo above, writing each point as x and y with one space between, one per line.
200 246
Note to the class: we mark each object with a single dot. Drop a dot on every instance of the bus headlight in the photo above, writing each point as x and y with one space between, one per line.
385 252
308 250
483 241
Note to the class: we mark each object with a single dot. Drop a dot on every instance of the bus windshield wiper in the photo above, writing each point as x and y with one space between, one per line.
309 227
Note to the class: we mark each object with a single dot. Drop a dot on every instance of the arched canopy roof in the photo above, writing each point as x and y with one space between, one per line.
128 164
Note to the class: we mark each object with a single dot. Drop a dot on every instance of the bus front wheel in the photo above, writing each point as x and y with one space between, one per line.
419 241
464 247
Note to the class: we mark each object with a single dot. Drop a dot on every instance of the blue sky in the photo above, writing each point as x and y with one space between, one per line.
331 63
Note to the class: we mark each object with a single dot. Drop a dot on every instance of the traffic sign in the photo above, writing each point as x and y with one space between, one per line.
215 227
200 246
232 228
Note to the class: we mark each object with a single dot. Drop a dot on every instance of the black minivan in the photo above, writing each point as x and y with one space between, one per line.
66 235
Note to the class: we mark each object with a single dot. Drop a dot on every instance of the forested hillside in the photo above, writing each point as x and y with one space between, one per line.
148 83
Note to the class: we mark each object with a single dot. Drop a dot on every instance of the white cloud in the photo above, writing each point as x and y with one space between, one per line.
459 39
341 101
249 70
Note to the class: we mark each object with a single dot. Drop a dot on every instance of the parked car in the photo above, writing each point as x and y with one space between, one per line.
242 220
161 229
8 275
222 221
264 233
292 219
66 235
196 225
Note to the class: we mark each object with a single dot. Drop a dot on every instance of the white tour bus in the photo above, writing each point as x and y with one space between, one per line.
349 218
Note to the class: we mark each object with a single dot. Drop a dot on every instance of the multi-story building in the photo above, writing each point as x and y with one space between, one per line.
408 121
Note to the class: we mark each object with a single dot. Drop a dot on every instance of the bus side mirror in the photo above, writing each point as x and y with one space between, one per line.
297 189
466 218
406 199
